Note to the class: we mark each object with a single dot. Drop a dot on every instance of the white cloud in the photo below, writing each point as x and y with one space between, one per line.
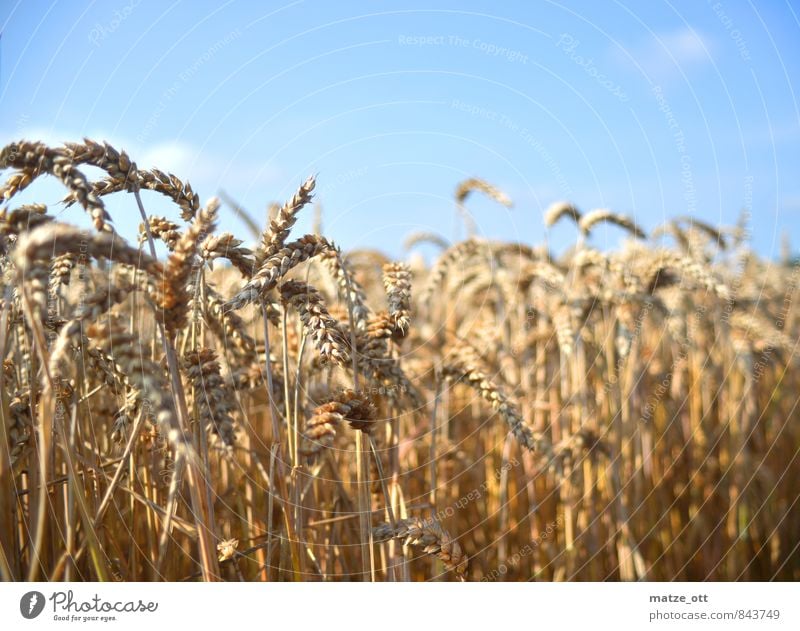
664 56
789 203
174 157
51 136
686 46
206 169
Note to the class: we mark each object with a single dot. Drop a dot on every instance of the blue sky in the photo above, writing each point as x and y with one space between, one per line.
652 109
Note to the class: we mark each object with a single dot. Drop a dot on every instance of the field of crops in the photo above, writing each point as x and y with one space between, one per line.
268 407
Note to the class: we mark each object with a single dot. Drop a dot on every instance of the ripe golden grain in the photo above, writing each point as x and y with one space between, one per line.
593 415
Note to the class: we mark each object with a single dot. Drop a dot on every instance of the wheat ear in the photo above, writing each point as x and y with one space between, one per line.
318 323
277 266
175 298
464 364
213 402
603 215
397 283
275 235
36 158
348 406
431 537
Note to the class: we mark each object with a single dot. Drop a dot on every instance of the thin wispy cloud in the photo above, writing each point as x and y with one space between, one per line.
200 166
686 47
665 56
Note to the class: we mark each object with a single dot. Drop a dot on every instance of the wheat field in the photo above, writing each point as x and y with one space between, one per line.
268 407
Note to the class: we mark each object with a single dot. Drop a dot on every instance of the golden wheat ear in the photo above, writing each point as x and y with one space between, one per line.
558 210
34 159
464 364
276 267
226 246
431 537
175 297
150 384
397 283
161 228
212 399
348 405
274 237
603 215
470 185
317 322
